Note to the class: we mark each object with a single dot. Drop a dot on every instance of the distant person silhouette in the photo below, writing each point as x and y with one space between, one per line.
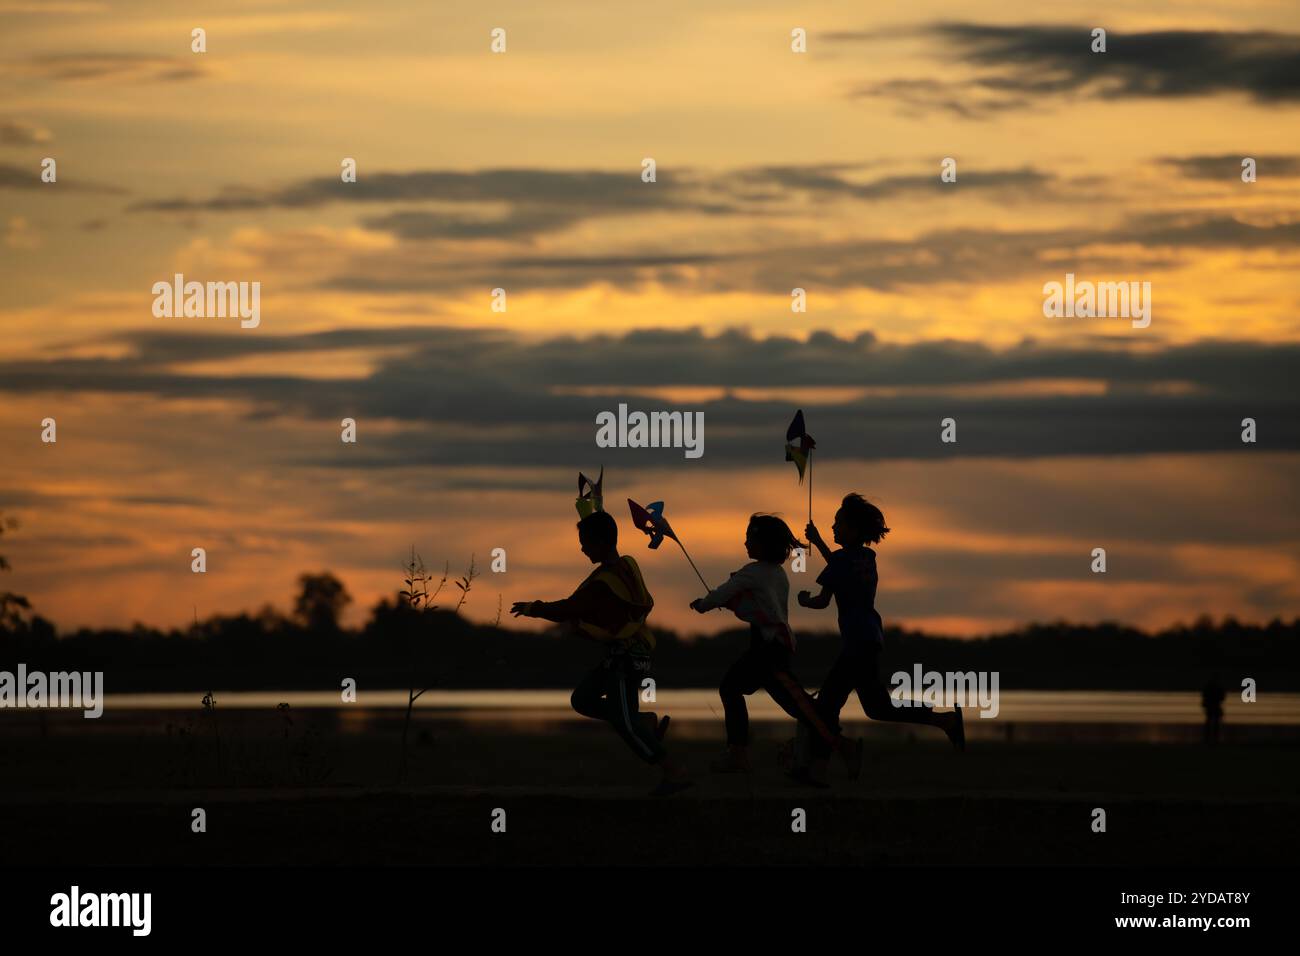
611 607
1212 695
851 578
759 594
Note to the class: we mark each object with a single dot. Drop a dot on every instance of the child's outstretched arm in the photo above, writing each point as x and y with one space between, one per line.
723 594
566 609
818 603
556 611
594 603
815 537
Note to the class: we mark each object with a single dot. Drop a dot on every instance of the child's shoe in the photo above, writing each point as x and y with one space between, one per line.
674 780
812 774
956 729
851 751
661 728
733 760
785 757
655 724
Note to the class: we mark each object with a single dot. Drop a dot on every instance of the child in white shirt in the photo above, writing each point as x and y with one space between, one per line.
759 594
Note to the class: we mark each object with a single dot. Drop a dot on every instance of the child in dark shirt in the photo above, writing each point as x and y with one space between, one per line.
851 578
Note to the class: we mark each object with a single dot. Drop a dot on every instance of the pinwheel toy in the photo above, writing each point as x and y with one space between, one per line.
590 500
651 520
798 449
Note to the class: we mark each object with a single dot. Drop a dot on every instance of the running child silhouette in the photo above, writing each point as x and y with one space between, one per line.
851 578
759 594
611 607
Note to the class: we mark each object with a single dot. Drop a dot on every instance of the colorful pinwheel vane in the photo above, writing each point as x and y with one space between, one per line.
590 499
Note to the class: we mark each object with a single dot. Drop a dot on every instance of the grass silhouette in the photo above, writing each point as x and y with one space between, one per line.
421 600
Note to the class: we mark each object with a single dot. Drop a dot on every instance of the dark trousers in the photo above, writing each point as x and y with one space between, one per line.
611 692
766 665
858 669
1213 723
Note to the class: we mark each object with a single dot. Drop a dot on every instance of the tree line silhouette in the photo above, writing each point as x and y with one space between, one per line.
405 645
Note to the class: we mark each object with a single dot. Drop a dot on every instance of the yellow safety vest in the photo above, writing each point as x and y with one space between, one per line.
635 631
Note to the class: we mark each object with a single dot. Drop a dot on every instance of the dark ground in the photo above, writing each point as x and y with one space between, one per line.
277 791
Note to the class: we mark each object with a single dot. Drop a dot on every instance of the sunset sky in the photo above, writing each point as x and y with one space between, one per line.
775 170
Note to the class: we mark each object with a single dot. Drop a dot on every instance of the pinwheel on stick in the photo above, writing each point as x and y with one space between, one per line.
651 520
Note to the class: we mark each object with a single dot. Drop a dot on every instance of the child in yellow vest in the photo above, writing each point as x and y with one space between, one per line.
611 607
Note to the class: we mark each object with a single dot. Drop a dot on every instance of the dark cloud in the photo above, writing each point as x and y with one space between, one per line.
524 203
522 272
580 192
1165 63
1227 166
518 223
921 97
152 349
519 205
1024 63
1221 232
29 177
1002 181
19 133
33 497
945 256
487 397
19 177
111 67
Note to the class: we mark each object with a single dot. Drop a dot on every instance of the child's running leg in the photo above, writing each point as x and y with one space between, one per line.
876 702
878 705
783 688
786 690
840 682
743 678
587 698
622 702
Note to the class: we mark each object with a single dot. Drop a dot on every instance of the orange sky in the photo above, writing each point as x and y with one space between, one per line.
775 170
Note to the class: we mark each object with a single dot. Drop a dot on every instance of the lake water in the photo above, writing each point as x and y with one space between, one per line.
1022 707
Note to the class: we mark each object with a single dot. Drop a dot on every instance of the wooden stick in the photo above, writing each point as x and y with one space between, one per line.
693 567
810 451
